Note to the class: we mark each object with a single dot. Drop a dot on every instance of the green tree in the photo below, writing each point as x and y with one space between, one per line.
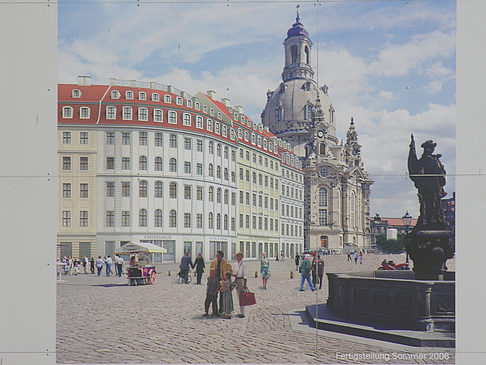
391 246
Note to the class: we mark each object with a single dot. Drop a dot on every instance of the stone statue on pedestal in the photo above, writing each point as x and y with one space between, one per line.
428 244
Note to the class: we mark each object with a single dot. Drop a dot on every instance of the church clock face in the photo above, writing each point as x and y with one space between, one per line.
320 134
324 171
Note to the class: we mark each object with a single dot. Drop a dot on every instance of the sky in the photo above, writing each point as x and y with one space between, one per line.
391 65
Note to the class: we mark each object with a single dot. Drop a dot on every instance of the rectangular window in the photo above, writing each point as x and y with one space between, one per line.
83 218
125 218
254 200
66 163
66 137
110 112
260 201
83 137
209 125
260 223
158 139
254 218
187 167
247 221
173 141
83 190
66 190
187 191
126 163
241 220
187 143
125 188
322 217
199 169
110 218
241 197
110 163
199 193
110 188
83 163
247 198
199 220
199 122
187 220
142 138
110 138
199 145
66 218
126 138
186 119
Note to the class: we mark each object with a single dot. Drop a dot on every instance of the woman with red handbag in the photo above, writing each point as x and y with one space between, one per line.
241 274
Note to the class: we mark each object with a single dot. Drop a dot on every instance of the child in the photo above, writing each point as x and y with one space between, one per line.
226 288
211 294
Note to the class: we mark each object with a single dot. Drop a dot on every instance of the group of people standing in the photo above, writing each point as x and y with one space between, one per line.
357 256
220 284
308 268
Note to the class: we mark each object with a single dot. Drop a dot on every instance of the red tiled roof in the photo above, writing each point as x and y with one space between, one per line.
396 222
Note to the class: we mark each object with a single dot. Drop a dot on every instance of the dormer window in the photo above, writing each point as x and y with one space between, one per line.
211 112
224 131
172 117
235 114
240 133
199 122
67 112
142 114
129 95
167 99
155 97
248 123
270 146
179 100
197 106
220 115
232 134
186 119
142 95
158 115
259 143
205 109
209 125
189 103
216 127
242 119
127 113
264 144
253 138
84 112
115 94
110 112
246 135
76 93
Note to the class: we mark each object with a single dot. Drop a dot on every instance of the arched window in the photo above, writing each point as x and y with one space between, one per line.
225 222
226 176
226 196
322 149
211 194
218 195
158 163
226 152
218 221
210 220
352 208
142 188
211 169
279 114
110 112
84 113
308 111
218 172
143 114
158 189
67 112
293 54
142 218
218 150
172 117
173 190
142 163
173 165
172 218
158 218
307 55
322 197
127 113
211 147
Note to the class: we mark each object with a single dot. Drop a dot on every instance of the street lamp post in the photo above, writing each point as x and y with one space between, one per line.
407 221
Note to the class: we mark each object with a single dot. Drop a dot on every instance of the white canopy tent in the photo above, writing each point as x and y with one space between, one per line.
132 247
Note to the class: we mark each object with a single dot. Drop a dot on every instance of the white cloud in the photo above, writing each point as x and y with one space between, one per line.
397 60
386 95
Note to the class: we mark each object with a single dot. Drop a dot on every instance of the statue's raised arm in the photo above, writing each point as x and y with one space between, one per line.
413 167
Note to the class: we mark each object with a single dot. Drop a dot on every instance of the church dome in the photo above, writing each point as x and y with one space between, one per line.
297 29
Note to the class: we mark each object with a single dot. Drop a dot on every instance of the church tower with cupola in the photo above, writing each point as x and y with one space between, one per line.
337 187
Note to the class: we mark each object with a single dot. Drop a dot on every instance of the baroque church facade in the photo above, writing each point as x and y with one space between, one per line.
337 187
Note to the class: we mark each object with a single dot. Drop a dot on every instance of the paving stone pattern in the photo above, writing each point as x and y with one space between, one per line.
103 320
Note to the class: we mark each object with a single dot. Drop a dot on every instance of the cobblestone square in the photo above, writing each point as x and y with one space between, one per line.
103 320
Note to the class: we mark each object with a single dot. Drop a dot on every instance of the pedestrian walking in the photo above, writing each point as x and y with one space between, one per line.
221 266
320 270
349 256
211 294
92 265
314 269
186 263
108 263
241 275
282 256
99 265
199 264
85 264
70 265
355 257
119 265
265 269
227 295
297 261
305 269
76 264
360 257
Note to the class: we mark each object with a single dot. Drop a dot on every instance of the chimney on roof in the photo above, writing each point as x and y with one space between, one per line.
170 89
260 128
184 95
211 94
267 128
112 81
84 80
133 83
226 102
153 85
239 109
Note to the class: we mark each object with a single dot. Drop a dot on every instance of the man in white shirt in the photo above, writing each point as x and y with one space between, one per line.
241 274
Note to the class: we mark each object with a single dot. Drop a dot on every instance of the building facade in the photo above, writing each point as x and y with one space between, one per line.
144 162
337 187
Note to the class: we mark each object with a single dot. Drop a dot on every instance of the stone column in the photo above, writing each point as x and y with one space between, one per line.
423 320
